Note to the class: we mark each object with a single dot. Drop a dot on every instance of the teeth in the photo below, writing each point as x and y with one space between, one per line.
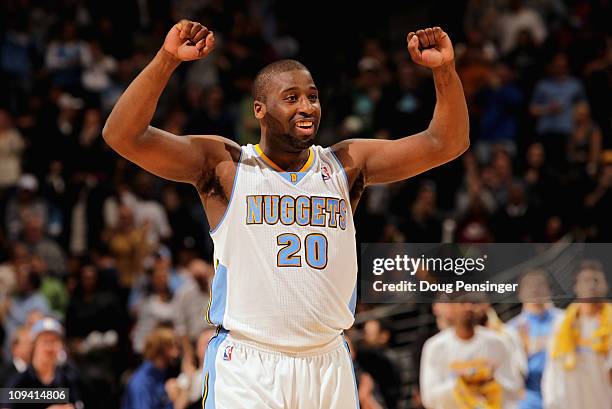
304 123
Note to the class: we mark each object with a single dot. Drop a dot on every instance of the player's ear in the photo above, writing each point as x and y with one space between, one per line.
260 109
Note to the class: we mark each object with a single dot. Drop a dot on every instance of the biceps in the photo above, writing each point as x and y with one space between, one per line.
166 155
391 161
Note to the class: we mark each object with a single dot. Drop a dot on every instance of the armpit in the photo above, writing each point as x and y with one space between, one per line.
209 185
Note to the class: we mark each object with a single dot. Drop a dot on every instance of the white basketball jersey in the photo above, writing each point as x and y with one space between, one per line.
285 254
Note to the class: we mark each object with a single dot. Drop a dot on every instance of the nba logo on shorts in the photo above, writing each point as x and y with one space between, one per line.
325 173
227 354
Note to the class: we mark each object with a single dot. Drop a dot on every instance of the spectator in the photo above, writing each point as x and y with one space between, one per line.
66 56
369 394
24 203
26 300
367 95
377 359
553 107
146 387
188 302
128 245
403 107
517 221
51 287
47 369
597 201
577 373
212 117
540 182
38 244
585 144
525 58
12 145
148 211
534 325
185 391
98 70
467 366
18 55
96 334
486 316
481 16
474 227
518 17
155 308
499 103
21 353
186 231
424 224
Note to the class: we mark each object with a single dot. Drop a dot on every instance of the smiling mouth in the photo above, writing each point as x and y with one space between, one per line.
305 124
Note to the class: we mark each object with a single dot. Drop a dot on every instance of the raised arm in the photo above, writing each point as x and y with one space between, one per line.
383 161
127 130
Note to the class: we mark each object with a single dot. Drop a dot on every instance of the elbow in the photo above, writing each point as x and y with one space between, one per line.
464 143
456 145
116 137
107 133
451 141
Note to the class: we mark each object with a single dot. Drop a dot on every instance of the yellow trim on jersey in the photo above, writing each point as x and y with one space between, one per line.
269 161
205 391
210 297
207 313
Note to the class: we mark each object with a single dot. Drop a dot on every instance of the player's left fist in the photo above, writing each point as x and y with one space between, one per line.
430 47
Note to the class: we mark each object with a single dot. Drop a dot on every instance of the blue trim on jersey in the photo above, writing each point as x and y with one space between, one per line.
348 186
296 179
348 350
218 295
353 302
210 369
229 202
299 175
540 328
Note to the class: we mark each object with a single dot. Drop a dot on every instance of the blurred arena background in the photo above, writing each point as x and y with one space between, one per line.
115 254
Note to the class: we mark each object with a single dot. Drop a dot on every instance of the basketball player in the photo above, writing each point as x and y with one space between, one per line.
281 216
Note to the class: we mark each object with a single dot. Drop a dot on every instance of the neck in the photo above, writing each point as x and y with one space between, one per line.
283 157
535 308
159 363
44 369
589 309
464 331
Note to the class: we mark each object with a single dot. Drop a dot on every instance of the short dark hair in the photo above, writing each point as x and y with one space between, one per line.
262 80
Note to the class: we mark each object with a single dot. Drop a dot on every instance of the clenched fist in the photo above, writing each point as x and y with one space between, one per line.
431 47
189 40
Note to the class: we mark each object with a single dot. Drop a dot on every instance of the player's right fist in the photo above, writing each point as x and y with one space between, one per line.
188 41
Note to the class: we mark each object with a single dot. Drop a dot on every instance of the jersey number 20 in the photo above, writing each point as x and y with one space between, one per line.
315 249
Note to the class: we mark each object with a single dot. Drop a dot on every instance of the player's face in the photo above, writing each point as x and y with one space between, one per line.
293 111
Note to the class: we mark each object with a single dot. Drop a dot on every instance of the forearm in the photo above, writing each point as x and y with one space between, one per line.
133 112
450 123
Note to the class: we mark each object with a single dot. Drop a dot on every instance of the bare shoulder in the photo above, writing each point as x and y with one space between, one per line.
349 154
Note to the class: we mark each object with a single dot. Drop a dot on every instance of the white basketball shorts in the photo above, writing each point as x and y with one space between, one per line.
240 376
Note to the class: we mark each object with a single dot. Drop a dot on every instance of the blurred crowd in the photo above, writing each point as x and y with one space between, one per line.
114 262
